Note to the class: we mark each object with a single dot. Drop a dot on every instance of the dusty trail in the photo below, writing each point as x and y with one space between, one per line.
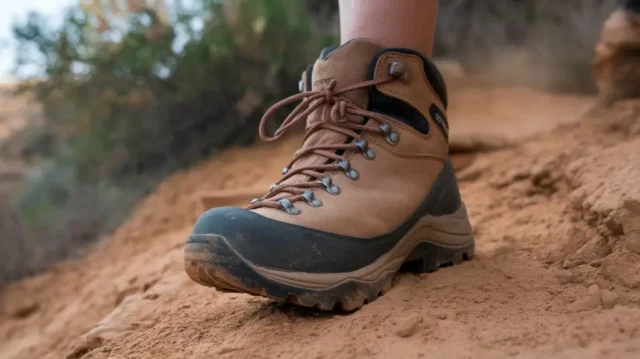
557 273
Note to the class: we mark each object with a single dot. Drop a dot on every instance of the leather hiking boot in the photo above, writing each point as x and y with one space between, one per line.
371 189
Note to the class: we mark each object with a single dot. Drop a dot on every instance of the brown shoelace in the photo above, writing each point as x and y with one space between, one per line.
334 117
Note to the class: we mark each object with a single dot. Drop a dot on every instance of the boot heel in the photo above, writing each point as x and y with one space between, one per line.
445 241
428 257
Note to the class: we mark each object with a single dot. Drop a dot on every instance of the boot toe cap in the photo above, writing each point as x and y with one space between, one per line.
268 243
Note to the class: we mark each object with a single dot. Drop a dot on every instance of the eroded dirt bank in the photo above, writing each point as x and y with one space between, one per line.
557 272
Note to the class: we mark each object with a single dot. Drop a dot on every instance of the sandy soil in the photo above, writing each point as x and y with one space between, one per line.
557 272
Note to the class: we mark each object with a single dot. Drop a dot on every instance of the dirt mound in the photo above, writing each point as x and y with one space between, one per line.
556 274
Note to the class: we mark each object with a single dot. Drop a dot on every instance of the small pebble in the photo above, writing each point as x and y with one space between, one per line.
23 310
609 298
228 349
408 327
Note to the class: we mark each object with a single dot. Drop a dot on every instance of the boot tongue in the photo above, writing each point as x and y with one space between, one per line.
348 65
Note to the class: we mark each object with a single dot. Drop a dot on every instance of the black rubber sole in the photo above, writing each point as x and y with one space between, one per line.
211 262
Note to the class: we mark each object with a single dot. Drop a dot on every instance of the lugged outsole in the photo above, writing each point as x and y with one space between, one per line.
213 263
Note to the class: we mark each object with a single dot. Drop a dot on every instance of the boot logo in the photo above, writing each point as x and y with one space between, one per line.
322 81
440 119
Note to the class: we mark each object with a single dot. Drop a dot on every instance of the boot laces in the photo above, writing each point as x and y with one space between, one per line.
334 117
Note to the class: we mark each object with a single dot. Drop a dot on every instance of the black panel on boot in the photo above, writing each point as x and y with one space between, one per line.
309 75
269 243
382 103
326 51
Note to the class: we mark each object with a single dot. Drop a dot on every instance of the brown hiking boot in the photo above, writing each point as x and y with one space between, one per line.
371 188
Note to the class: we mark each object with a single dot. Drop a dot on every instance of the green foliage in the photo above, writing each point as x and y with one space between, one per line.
131 104
128 100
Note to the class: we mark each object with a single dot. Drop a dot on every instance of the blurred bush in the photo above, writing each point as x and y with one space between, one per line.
132 91
545 43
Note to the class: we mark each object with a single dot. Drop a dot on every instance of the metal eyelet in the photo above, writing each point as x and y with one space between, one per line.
273 185
288 206
391 136
369 154
329 186
285 170
256 200
350 172
311 199
364 147
300 86
396 69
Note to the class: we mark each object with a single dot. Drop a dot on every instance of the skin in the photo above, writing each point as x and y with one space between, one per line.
391 23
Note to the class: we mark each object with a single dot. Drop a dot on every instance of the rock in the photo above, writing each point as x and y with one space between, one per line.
634 130
84 346
621 267
609 298
591 300
22 309
613 225
117 321
564 277
540 171
408 327
630 224
616 65
229 349
151 296
500 181
518 174
595 249
522 202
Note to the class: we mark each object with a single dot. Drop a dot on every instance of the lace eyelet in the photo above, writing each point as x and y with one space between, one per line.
329 186
285 170
273 185
288 206
311 200
255 200
396 69
367 152
391 136
350 172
